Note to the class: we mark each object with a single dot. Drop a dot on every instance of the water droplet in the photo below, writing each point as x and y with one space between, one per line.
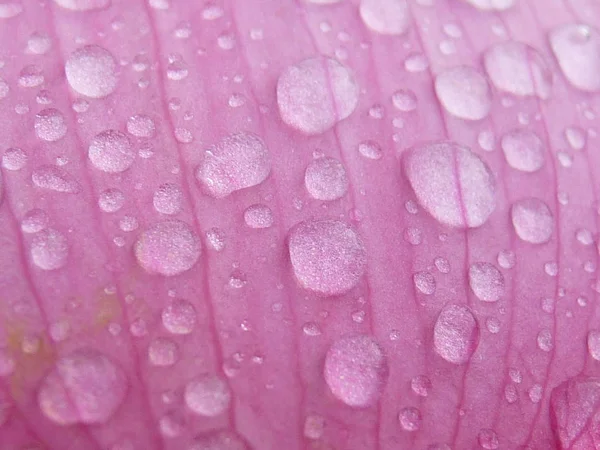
519 69
168 199
111 200
523 150
316 94
4 88
314 427
35 221
30 77
593 344
215 239
421 385
171 424
141 125
179 317
92 71
486 281
7 363
163 352
111 151
328 256
456 334
10 9
551 268
84 387
83 5
49 249
391 17
54 179
488 439
486 140
311 329
128 223
533 221
370 150
38 44
424 282
356 370
575 137
506 259
577 50
50 125
258 216
219 440
442 264
491 5
493 325
464 93
167 248
212 12
410 418
404 100
416 62
453 184
535 393
238 161
177 70
207 396
544 340
325 179
510 393
14 159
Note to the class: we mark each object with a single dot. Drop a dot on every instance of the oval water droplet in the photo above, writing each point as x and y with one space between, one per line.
111 151
486 281
327 256
453 184
50 125
54 179
92 71
258 216
410 418
325 179
111 200
532 220
167 248
238 161
49 249
179 317
404 100
545 341
38 44
35 220
390 17
163 352
168 199
456 334
593 344
577 50
356 370
519 69
370 150
424 282
83 5
488 439
207 396
14 159
523 150
141 125
85 386
421 385
315 94
464 93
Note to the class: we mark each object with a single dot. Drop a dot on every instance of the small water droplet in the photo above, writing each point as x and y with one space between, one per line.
168 199
424 282
510 393
486 281
488 439
545 341
575 137
258 216
311 329
171 424
34 221
49 249
163 352
523 150
535 393
464 93
370 150
404 100
442 264
177 70
532 220
31 76
456 334
92 71
141 125
325 179
207 396
179 317
111 200
593 344
314 427
50 125
38 44
421 385
111 151
14 159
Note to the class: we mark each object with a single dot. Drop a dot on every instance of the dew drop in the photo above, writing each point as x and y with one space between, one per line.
238 161
111 200
327 256
54 179
7 363
258 216
168 199
325 179
544 340
207 396
163 352
141 125
171 424
506 259
575 138
535 393
456 334
30 77
92 71
391 17
38 44
410 419
219 440
315 94
416 62
49 249
453 184
10 9
370 150
486 281
50 125
314 427
442 264
128 223
215 239
492 5
593 344
532 220
488 439
311 329
356 370
167 248
14 159
212 12
83 5
464 93
85 386
424 282
510 394
421 385
34 221
404 100
523 150
111 151
179 317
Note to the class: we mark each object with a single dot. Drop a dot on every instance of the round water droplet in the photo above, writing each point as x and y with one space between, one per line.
111 151
519 69
532 220
141 126
54 179
168 199
83 387
35 221
486 281
163 352
453 184
315 94
421 385
593 344
488 439
92 71
327 256
370 150
577 50
506 259
50 125
356 370
523 150
111 200
464 93
424 282
207 396
410 418
325 179
83 5
219 440
179 317
49 249
238 161
456 334
404 100
386 16
14 159
38 44
258 216
575 137
167 248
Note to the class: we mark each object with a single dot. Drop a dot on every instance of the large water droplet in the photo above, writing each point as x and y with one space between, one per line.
519 69
49 249
325 179
328 256
577 49
179 317
207 396
464 93
386 16
167 248
532 220
523 150
92 71
486 281
238 161
456 334
453 184
316 94
168 199
50 125
219 440
356 370
83 387
83 5
111 151
54 179
258 216
163 352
